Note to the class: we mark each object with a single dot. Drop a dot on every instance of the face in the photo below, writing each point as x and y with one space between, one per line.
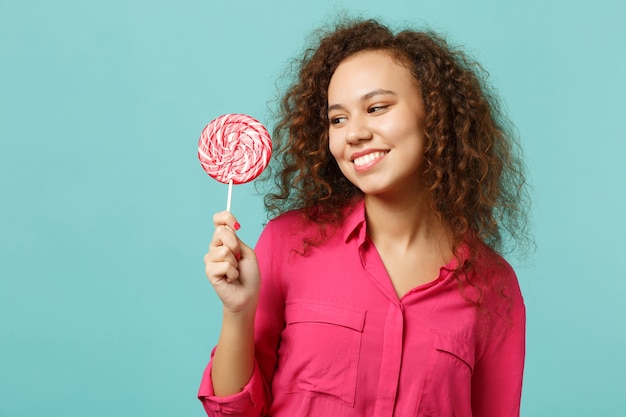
376 130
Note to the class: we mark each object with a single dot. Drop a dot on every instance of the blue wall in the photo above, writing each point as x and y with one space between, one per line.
106 213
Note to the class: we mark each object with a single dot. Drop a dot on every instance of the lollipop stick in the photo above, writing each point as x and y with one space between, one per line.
230 195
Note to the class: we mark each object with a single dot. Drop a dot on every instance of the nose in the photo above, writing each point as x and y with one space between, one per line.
357 131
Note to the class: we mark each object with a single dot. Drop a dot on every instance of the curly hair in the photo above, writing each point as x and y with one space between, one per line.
474 174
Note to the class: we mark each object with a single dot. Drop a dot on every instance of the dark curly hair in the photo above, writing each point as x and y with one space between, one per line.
474 174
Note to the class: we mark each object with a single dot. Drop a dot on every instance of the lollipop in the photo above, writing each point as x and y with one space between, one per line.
234 149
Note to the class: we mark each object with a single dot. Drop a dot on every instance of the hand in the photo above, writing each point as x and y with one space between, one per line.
231 267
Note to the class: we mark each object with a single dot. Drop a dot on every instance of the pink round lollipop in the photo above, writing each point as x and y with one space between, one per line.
234 147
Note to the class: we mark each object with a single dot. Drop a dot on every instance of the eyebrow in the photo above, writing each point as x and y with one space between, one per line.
364 98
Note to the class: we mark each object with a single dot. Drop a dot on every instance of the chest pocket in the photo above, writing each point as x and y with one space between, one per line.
447 386
320 349
457 345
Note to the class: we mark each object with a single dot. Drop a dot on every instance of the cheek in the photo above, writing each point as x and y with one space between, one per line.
334 145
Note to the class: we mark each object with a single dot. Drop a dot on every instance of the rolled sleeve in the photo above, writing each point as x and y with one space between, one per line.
249 402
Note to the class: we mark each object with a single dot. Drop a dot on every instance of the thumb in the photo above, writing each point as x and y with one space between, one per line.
245 251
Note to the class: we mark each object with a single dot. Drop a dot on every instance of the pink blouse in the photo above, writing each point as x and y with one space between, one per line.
333 339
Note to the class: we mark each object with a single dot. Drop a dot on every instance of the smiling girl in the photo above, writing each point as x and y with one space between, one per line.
378 288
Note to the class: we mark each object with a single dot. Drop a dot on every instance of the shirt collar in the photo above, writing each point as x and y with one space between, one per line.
354 221
354 226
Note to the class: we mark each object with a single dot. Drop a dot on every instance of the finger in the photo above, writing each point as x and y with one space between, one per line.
222 254
223 239
218 271
225 218
224 235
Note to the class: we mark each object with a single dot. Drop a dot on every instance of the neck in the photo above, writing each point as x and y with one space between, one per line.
405 223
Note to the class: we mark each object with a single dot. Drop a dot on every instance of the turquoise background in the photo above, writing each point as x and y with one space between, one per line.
106 213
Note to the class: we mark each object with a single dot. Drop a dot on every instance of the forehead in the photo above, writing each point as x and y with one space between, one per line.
371 69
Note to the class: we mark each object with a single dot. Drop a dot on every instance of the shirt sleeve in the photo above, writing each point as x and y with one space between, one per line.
498 374
247 403
255 398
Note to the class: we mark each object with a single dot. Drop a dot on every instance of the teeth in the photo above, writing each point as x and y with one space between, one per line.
366 159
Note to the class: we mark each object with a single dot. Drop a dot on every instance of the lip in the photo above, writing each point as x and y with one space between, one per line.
368 159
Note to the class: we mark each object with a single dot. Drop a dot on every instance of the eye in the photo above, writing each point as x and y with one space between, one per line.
336 120
377 108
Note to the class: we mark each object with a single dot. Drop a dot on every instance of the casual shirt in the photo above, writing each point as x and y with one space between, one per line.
332 337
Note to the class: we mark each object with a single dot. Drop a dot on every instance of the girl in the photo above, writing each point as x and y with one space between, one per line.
377 289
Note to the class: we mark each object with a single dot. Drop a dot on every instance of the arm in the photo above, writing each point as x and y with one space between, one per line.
232 270
497 377
233 360
237 380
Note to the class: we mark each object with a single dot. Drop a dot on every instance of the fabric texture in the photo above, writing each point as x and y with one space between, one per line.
332 337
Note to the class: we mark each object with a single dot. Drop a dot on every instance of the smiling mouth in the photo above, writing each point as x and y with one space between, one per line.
368 159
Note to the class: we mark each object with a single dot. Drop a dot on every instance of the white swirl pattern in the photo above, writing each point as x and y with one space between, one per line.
234 147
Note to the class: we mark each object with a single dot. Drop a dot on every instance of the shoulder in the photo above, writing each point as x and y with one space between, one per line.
499 283
291 223
285 231
491 266
303 229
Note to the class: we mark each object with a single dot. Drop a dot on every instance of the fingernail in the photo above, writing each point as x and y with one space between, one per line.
238 255
237 226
